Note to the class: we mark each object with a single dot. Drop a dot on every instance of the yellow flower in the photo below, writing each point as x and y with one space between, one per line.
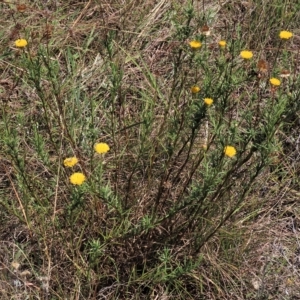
77 178
246 54
195 44
275 81
230 151
21 43
101 148
208 101
70 162
195 89
222 44
285 35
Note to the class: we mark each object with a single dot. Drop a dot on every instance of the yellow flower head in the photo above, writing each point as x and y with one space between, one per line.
70 162
222 44
208 101
101 148
195 89
229 151
275 81
77 178
21 43
285 35
246 54
195 44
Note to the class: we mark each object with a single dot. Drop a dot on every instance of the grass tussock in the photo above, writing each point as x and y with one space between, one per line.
149 150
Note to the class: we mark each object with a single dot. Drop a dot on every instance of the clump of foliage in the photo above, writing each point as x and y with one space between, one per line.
135 140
